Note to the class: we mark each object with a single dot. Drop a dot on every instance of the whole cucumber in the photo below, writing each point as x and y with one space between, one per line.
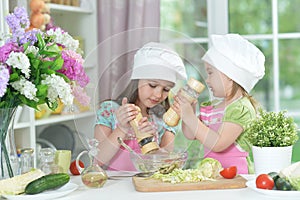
283 184
47 182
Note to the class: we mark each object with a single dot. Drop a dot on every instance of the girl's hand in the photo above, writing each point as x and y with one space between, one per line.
124 114
146 127
183 107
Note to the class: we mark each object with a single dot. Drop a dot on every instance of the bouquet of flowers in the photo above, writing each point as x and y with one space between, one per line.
39 67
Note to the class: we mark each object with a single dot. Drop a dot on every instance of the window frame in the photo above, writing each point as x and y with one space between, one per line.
218 24
4 8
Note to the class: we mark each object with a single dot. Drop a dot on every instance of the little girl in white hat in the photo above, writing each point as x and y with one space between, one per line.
234 66
156 69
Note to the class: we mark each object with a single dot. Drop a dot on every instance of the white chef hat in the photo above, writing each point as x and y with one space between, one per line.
237 58
158 61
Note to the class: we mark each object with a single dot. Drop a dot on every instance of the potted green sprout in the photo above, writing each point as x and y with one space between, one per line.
272 135
271 129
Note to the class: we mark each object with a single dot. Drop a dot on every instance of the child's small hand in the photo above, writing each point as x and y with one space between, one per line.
183 107
124 114
146 127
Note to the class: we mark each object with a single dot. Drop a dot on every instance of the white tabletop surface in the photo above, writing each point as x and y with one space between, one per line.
124 189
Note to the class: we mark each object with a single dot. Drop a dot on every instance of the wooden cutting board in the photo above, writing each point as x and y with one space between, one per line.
154 185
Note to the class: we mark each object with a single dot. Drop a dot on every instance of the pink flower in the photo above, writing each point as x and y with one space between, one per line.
73 67
6 49
81 95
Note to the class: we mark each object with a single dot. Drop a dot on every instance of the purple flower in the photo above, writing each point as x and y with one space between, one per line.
6 49
18 19
18 35
29 36
18 22
12 22
21 14
4 78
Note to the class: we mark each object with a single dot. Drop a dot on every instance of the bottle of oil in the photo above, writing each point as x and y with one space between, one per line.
146 141
191 92
92 176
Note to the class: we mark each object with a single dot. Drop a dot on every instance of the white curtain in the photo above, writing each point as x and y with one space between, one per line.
123 27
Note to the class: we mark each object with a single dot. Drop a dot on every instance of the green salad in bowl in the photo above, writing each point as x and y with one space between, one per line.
159 160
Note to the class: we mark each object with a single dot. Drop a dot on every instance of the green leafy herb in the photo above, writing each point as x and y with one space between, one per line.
272 129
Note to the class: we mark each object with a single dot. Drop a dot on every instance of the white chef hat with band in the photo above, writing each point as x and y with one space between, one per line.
158 61
237 58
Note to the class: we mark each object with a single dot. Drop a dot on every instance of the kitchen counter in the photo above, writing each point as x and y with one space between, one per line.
123 188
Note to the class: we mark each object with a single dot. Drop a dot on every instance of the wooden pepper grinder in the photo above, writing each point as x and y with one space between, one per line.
191 92
145 141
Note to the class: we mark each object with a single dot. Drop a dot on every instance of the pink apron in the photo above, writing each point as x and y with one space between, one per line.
233 155
121 161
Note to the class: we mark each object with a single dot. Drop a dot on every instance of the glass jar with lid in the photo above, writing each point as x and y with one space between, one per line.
26 160
47 164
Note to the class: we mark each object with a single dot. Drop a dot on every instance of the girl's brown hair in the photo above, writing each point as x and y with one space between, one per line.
236 87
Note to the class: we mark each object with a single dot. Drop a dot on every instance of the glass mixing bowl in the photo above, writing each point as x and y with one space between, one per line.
154 161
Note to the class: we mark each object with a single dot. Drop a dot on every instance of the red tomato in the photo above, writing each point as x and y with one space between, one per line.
264 181
229 172
73 167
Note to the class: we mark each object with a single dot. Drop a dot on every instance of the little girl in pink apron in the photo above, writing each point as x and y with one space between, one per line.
233 66
155 71
234 155
121 160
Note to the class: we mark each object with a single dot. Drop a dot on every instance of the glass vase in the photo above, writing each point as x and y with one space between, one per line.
9 164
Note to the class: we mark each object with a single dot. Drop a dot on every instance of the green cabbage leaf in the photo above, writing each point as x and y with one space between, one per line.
207 169
292 174
210 167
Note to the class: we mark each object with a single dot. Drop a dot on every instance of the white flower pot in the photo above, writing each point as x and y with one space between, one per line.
271 159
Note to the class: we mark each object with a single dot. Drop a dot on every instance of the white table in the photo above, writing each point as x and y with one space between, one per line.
123 189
